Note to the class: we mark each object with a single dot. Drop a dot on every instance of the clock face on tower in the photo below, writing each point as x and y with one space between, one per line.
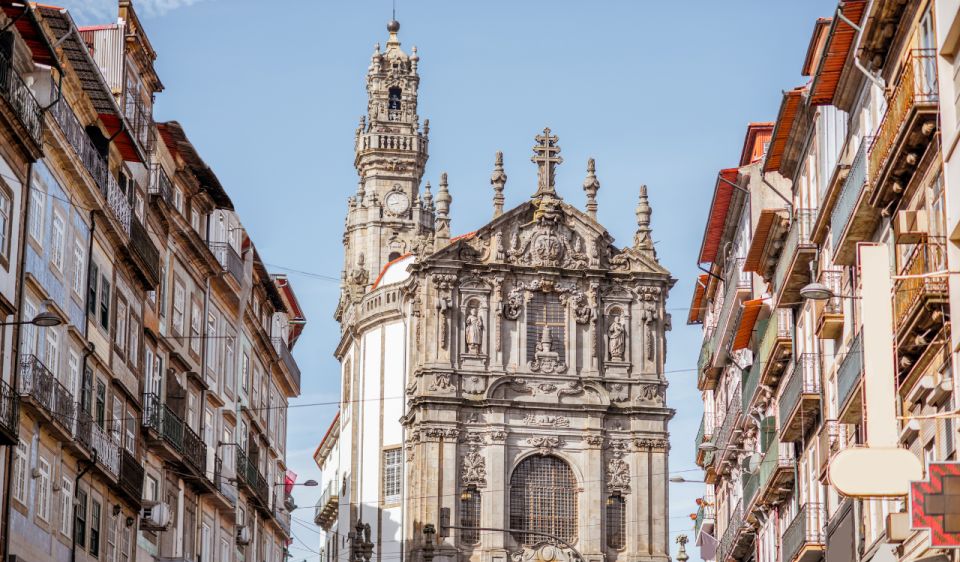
397 202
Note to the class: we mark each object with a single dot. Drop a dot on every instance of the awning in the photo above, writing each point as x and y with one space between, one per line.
834 56
716 220
128 147
766 222
783 129
748 318
695 316
29 28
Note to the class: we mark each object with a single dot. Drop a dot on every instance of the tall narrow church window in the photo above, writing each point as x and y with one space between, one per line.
545 314
392 468
616 521
470 515
543 498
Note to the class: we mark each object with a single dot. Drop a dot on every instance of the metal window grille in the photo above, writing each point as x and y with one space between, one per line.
543 498
470 517
391 476
546 312
616 522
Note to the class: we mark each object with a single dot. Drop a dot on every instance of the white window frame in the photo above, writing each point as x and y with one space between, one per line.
79 259
66 506
179 306
58 240
43 489
21 460
37 207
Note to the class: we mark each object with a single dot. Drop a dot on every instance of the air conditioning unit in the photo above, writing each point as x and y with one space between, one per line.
155 517
921 389
243 535
909 227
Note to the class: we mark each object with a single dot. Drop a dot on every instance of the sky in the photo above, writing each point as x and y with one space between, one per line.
660 93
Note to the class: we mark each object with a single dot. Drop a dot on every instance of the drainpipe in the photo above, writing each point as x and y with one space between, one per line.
76 488
15 374
203 377
878 81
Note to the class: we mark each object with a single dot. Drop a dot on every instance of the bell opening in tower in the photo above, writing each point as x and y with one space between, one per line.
393 103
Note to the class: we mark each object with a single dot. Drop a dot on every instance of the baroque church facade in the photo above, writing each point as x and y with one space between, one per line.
505 386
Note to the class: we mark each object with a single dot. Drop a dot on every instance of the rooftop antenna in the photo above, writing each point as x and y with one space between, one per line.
394 10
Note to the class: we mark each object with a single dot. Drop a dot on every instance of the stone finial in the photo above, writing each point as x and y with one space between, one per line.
590 186
427 197
426 127
498 179
682 552
642 242
546 155
414 59
442 223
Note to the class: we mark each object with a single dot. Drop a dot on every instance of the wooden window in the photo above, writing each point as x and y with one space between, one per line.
195 321
95 509
616 522
179 306
80 520
58 241
66 505
5 224
104 303
20 483
37 204
78 262
543 498
392 475
545 312
43 489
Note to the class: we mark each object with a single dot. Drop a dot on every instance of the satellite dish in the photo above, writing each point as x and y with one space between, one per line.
750 463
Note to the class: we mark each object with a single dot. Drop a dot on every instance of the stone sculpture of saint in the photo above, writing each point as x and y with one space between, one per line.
474 332
617 339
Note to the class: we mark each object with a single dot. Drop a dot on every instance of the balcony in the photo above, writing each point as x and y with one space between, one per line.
325 513
139 119
800 399
160 184
853 219
281 515
22 107
399 143
829 313
773 479
776 347
229 259
41 390
283 350
728 430
737 537
906 129
94 162
145 254
793 269
849 376
833 439
9 414
919 302
805 540
183 444
736 288
706 519
706 373
704 435
131 477
753 393
249 476
105 450
117 203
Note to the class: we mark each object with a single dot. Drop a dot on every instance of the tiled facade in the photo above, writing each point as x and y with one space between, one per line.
150 423
855 157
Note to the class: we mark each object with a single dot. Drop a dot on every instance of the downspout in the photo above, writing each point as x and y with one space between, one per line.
15 374
203 378
878 81
76 488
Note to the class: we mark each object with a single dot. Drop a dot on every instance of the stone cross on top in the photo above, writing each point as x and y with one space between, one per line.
546 155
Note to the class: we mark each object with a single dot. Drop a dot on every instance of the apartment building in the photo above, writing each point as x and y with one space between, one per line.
857 154
147 358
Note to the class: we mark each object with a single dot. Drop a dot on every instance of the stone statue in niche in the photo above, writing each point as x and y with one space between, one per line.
474 331
617 339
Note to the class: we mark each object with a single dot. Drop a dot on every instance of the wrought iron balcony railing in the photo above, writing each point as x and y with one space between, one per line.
18 95
909 294
830 311
160 184
849 373
731 534
9 414
43 389
799 240
174 431
850 198
106 449
117 203
800 396
93 161
916 89
140 118
131 476
283 350
145 249
776 345
706 515
228 258
806 529
704 435
248 474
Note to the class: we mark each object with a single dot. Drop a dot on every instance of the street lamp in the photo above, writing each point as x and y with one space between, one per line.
45 319
309 483
682 480
817 291
709 447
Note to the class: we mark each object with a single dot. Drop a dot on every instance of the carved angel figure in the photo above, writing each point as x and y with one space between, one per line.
474 332
617 339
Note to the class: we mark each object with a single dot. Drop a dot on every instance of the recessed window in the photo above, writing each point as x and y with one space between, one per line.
543 499
470 515
545 314
392 469
616 522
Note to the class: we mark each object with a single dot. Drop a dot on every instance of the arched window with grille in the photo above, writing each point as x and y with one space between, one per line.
543 498
545 312
616 522
470 515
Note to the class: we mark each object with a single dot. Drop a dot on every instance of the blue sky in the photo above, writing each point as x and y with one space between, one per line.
658 92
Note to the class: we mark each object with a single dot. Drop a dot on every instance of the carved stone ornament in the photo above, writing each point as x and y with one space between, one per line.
543 420
547 241
618 474
474 469
593 440
650 393
473 384
545 444
440 433
619 392
514 305
545 359
651 444
441 383
497 436
544 552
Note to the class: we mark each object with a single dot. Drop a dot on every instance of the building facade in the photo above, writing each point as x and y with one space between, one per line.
509 378
146 367
855 161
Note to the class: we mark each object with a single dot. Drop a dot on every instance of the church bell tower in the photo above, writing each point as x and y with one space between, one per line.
388 217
